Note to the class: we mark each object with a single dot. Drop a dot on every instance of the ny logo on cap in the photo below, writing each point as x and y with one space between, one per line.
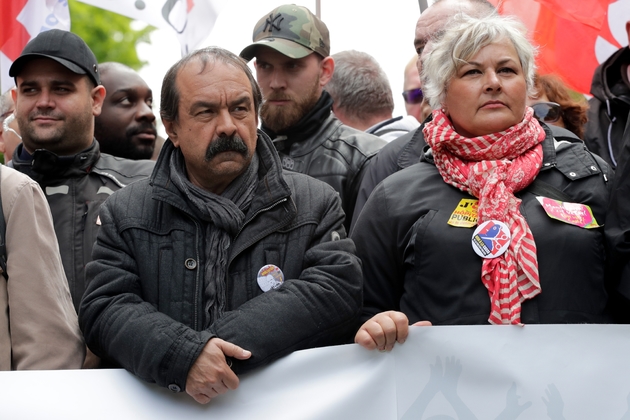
271 22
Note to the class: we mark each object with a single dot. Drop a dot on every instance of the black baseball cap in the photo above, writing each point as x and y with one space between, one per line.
65 48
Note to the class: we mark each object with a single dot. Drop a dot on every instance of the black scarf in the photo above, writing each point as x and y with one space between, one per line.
224 216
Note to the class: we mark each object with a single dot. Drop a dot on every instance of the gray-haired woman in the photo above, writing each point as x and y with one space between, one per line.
499 223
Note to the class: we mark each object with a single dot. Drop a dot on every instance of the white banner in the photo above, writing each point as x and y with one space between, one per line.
191 20
473 372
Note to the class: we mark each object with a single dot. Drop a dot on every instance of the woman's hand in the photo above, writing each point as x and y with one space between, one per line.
383 330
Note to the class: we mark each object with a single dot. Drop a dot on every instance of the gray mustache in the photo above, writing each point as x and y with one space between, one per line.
226 143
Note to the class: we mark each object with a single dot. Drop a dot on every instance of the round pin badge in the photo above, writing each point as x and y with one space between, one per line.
270 277
491 239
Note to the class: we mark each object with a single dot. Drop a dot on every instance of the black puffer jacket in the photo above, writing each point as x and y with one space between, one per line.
143 308
75 188
414 262
608 108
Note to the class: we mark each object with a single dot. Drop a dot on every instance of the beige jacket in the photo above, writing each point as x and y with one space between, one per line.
38 323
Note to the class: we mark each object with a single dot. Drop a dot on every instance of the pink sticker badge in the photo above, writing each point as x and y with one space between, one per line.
491 239
572 213
270 277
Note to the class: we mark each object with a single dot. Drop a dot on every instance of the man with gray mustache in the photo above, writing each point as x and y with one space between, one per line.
226 143
220 262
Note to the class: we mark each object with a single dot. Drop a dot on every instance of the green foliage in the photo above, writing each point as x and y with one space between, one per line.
108 34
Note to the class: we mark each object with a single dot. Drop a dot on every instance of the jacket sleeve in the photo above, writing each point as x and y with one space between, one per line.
319 308
118 324
43 323
379 243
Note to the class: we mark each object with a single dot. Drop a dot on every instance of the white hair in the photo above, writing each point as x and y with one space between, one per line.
463 37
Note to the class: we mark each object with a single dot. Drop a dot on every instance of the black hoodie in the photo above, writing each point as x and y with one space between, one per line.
609 107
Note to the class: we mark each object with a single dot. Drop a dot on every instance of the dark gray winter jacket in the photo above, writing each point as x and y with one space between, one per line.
75 188
143 308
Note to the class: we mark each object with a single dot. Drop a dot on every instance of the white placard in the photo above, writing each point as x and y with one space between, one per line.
472 372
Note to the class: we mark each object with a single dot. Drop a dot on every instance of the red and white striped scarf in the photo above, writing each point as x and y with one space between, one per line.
492 168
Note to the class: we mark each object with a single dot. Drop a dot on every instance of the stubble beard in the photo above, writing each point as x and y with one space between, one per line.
69 138
280 118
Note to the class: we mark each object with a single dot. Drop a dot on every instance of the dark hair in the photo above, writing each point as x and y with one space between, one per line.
170 96
573 111
359 86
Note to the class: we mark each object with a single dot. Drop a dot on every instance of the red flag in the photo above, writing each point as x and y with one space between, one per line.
574 37
21 20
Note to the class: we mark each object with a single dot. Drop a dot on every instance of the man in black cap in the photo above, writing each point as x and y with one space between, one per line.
58 94
293 63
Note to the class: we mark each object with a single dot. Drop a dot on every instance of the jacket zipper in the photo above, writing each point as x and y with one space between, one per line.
247 245
257 213
196 300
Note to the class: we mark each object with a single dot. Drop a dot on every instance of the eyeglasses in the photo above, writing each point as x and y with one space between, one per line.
547 111
413 96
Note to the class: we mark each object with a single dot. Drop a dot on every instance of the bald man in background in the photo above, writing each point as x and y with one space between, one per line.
412 92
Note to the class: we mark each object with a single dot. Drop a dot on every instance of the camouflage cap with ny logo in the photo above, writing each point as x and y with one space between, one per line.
291 30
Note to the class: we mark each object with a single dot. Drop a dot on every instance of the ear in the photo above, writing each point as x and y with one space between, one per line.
327 67
171 128
628 30
98 96
14 95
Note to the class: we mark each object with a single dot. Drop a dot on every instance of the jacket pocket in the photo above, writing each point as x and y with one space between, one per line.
413 249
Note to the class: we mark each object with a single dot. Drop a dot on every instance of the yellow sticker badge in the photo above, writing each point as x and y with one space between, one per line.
465 214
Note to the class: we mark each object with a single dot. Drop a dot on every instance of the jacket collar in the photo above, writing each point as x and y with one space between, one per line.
271 185
411 152
46 165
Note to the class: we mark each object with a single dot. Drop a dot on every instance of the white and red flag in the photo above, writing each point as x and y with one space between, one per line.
22 20
191 20
574 36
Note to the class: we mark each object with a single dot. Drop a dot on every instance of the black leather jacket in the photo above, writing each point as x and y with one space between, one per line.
75 188
336 154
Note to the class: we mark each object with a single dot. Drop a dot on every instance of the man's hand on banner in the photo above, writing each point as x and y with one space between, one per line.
211 375
383 330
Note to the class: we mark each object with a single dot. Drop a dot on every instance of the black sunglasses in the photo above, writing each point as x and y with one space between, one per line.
413 96
547 111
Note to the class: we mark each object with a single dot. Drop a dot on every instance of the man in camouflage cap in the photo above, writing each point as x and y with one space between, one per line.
292 51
